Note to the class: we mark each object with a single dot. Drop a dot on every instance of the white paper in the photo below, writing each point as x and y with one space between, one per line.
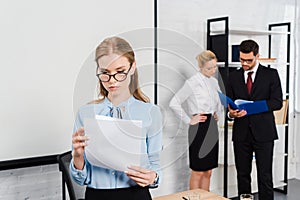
114 143
241 101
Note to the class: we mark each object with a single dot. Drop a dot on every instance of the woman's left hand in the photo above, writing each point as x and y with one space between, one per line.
141 176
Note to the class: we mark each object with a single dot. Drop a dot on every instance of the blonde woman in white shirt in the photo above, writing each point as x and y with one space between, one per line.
203 109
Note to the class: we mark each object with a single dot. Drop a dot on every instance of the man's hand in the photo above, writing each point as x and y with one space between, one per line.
236 113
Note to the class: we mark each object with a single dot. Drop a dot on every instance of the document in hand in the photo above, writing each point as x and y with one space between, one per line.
114 143
251 107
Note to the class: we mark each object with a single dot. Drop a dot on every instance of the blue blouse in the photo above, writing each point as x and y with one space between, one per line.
132 109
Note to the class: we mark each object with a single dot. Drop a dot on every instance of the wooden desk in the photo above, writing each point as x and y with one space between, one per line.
204 195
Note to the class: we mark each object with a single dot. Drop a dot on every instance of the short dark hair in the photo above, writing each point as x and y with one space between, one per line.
248 46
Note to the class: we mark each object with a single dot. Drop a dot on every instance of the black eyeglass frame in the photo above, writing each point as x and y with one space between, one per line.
114 75
248 61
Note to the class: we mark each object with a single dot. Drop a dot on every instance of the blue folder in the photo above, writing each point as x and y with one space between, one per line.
251 107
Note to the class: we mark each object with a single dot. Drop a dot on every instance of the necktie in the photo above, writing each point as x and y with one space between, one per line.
249 82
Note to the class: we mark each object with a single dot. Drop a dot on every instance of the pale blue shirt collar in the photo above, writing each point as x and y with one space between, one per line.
120 108
107 102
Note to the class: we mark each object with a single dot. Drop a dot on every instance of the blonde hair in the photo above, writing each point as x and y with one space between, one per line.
119 46
204 57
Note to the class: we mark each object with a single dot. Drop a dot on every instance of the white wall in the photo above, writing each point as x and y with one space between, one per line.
297 96
188 19
47 68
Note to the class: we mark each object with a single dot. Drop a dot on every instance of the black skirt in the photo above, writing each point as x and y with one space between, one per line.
204 145
131 193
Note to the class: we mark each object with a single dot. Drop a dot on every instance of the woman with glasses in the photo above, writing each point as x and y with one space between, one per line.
121 97
203 107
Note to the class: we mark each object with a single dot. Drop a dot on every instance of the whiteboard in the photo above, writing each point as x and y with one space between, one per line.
47 67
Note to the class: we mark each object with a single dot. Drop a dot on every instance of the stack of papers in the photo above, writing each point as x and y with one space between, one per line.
114 143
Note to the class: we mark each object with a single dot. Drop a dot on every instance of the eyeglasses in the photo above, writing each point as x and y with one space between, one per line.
248 61
119 76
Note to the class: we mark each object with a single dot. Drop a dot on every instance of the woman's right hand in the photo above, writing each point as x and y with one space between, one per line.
198 118
79 142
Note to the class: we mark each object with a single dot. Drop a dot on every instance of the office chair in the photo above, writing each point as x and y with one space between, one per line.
76 192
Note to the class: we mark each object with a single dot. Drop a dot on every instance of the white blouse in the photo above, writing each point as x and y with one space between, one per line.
200 93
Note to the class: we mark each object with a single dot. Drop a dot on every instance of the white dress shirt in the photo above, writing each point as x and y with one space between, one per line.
200 94
254 70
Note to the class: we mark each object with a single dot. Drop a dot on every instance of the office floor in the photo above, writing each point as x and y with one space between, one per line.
293 192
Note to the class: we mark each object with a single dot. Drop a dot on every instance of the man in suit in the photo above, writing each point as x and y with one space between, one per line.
254 133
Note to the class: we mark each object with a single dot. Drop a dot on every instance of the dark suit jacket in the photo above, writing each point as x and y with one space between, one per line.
266 86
